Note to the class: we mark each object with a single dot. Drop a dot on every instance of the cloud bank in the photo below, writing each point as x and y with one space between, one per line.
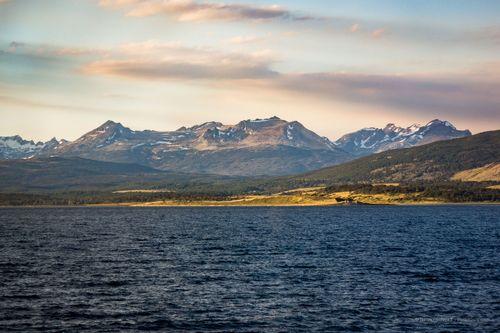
460 94
189 10
401 32
154 70
467 94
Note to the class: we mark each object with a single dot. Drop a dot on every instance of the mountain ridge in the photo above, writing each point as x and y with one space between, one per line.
453 162
270 146
15 147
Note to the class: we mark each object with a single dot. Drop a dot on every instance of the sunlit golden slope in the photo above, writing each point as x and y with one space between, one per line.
489 172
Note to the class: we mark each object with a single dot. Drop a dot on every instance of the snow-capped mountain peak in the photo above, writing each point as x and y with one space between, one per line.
373 140
437 122
15 147
391 128
16 142
201 127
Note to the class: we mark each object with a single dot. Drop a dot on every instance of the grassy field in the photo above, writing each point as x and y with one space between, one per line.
314 196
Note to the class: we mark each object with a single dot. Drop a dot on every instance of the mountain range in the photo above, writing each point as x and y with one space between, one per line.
472 159
252 147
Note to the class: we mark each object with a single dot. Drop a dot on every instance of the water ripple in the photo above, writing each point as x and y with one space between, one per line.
337 269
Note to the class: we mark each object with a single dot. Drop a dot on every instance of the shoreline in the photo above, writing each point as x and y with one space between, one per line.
301 197
154 205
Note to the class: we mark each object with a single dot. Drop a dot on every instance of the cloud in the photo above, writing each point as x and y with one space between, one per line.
378 33
470 94
154 60
169 70
354 28
357 27
28 103
449 95
13 46
489 34
462 95
189 10
244 39
172 61
46 50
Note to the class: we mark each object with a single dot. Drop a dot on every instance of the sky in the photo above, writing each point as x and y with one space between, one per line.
66 66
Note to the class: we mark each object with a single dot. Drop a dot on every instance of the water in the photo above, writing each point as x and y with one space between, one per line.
251 269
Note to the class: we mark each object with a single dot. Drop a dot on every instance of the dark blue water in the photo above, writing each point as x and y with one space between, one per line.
389 269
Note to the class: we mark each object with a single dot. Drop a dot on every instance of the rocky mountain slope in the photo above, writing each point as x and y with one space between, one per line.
375 140
252 147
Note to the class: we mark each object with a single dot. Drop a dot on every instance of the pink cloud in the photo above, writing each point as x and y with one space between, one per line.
378 33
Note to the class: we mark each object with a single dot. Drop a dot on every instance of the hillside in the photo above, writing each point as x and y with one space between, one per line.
489 172
57 174
437 161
